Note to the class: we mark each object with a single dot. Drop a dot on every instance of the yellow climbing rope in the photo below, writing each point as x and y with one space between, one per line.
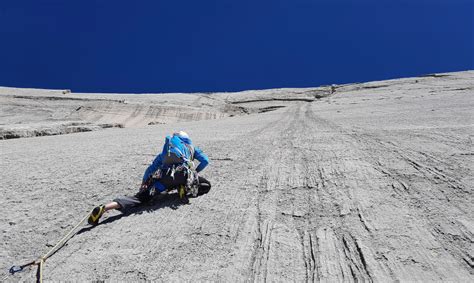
40 261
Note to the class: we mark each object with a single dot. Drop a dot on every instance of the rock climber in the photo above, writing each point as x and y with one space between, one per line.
172 168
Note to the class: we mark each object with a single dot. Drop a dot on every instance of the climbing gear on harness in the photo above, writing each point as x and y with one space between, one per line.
173 170
41 260
96 214
157 174
152 191
192 183
194 190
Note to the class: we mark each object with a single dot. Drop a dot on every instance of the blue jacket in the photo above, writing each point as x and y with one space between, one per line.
158 162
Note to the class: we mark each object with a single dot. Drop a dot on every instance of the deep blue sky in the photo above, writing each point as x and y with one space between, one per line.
221 45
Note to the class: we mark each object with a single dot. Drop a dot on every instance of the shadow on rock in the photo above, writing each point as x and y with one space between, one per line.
161 201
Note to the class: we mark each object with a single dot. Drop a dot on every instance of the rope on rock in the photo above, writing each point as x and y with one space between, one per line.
41 260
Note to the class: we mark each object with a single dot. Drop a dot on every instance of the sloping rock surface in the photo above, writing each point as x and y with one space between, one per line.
357 182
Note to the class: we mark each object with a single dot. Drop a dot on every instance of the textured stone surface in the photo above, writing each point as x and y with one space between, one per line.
361 182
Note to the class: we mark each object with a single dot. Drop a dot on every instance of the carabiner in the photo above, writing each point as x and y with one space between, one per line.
14 269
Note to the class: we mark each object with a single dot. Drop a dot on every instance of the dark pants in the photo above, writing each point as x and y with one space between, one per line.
168 182
127 202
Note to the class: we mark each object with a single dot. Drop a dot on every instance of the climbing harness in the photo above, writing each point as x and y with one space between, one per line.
41 260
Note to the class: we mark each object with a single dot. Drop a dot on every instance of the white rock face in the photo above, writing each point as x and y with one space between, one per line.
370 181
